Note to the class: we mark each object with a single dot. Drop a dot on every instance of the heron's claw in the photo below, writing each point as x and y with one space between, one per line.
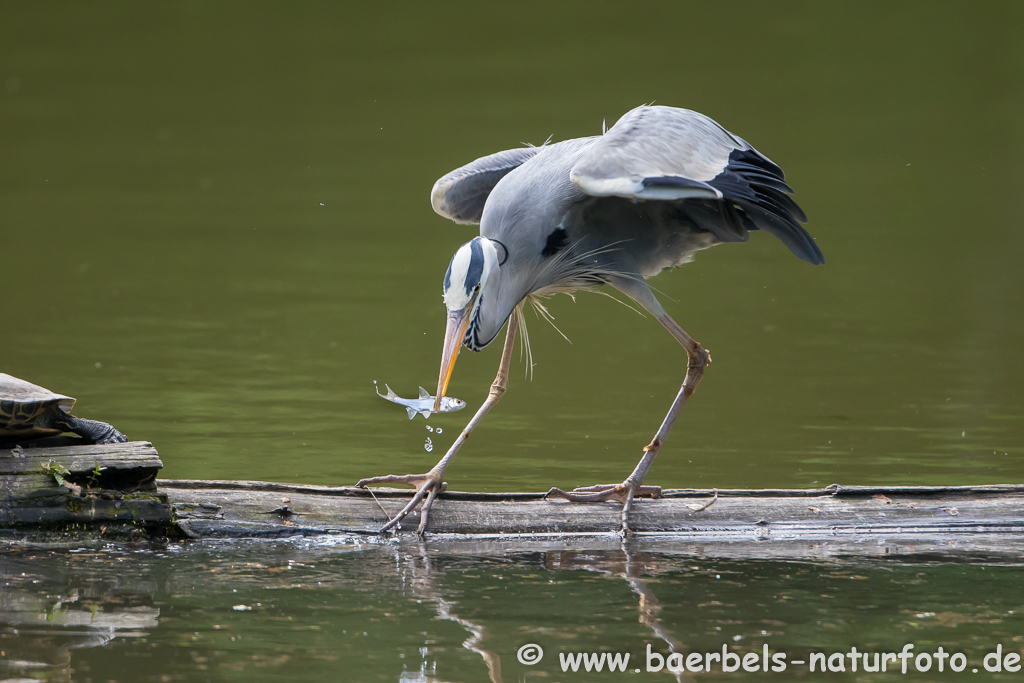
427 486
619 493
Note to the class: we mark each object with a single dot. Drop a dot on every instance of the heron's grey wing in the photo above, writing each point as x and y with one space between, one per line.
665 153
461 194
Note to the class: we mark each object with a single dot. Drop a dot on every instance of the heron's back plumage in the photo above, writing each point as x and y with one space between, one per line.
659 185
664 153
655 142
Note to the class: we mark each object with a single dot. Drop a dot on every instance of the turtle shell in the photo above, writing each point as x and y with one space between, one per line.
26 409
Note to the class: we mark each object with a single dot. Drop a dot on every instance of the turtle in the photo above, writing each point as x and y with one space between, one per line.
28 411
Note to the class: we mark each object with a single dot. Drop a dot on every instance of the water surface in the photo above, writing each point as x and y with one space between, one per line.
384 612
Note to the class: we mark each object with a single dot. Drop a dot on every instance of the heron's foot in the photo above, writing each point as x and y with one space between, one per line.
604 492
427 487
620 493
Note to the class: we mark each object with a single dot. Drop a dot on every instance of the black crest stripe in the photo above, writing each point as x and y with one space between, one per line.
476 266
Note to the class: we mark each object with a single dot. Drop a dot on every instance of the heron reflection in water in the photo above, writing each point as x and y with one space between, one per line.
616 209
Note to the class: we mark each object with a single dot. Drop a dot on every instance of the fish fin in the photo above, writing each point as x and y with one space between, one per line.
412 412
426 413
424 393
391 393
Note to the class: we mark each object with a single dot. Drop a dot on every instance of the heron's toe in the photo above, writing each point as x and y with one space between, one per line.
599 493
416 480
591 494
596 487
554 492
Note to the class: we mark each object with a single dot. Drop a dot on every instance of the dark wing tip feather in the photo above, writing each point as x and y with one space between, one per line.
758 188
752 157
786 229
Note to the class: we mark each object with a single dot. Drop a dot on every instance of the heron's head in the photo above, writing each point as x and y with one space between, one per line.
470 293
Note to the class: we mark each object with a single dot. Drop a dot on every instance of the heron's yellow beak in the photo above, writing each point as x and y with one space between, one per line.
458 321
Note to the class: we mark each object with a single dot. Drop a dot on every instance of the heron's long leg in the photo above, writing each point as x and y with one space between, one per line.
431 484
697 359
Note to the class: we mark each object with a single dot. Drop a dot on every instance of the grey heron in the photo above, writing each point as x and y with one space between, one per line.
616 209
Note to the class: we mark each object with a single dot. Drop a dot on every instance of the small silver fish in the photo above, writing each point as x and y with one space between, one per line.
424 405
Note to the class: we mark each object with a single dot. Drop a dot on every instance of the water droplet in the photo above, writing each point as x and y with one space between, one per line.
429 428
438 430
428 446
374 381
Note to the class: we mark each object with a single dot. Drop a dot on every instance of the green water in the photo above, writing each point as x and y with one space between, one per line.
344 612
215 232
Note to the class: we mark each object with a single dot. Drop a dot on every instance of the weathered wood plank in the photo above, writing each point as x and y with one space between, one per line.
123 466
26 487
855 520
57 512
834 489
100 486
86 510
83 458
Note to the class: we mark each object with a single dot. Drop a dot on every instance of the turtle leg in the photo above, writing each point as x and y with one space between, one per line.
430 484
97 432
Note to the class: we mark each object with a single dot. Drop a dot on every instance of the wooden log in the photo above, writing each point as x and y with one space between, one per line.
78 491
84 490
838 520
